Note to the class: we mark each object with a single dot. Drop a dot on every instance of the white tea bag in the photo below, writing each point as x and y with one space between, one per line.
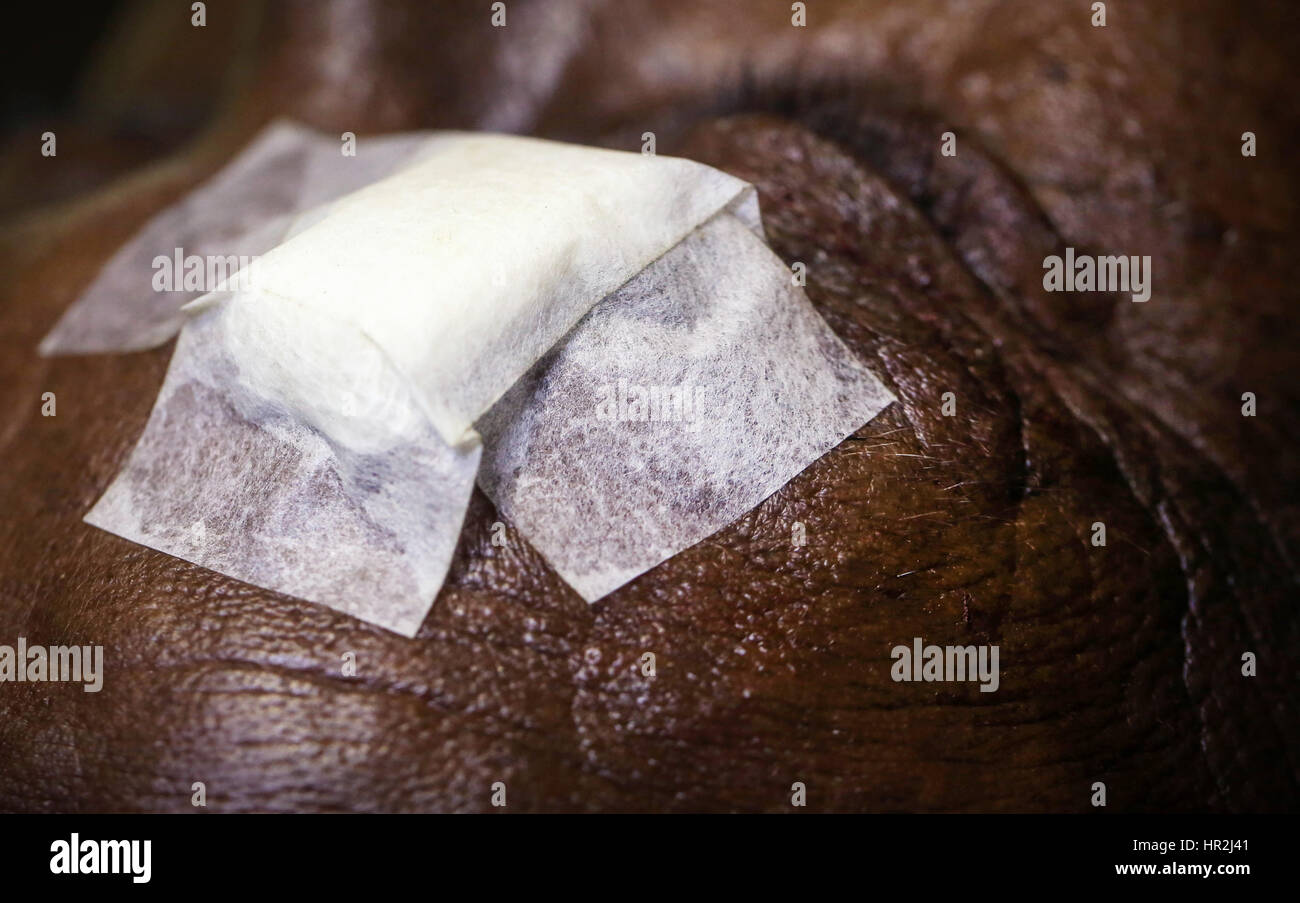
315 431
469 264
679 403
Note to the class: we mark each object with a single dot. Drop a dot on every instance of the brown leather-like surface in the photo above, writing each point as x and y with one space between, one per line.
1119 664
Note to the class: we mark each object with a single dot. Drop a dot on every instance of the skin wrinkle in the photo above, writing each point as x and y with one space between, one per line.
1176 535
1191 596
1171 532
1025 457
921 191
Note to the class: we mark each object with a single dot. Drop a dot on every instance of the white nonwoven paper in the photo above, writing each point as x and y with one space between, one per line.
678 404
233 475
641 366
246 209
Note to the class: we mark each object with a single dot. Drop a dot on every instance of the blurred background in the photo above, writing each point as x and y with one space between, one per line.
65 75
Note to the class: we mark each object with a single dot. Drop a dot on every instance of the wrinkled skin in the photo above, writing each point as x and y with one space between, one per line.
1119 664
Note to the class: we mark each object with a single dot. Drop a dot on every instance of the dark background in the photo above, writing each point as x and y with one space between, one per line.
42 69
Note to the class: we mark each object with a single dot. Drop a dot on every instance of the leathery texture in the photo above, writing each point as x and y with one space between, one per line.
1119 664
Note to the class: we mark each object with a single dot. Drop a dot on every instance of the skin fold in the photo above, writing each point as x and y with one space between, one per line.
1119 664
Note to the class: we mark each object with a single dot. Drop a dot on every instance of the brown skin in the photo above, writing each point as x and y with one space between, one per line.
1118 664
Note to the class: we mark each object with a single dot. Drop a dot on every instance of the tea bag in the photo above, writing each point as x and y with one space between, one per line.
640 364
471 263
